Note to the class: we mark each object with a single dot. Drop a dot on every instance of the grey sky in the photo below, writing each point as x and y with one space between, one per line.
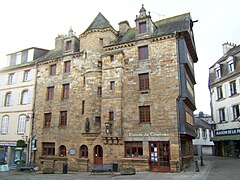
28 23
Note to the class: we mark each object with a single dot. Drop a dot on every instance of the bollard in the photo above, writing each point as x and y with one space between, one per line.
201 161
196 166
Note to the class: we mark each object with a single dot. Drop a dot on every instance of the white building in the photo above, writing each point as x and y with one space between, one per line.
202 143
224 86
17 85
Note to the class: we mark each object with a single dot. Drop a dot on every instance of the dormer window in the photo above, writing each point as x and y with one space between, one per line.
218 72
68 45
142 27
230 63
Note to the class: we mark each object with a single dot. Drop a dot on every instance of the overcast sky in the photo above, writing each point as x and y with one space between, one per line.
28 23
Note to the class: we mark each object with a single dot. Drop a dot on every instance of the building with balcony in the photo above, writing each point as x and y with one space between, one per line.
124 97
224 86
17 90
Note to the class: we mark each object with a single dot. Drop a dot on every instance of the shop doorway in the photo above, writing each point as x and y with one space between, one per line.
159 156
98 154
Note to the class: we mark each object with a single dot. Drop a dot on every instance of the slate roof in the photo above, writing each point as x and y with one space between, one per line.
231 52
100 22
50 55
201 123
166 26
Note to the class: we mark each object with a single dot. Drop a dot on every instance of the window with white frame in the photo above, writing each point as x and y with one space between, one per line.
218 72
236 113
26 75
5 121
222 117
11 78
25 97
204 133
8 99
231 67
233 89
219 92
21 124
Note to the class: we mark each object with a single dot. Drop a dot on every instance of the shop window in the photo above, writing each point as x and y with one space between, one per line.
53 69
143 52
63 118
83 151
133 149
50 93
48 149
65 94
47 119
144 114
143 82
62 151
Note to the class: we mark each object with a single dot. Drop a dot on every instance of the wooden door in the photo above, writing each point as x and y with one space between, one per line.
98 154
159 156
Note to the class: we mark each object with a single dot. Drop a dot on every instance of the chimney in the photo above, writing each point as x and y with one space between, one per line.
123 26
227 46
59 42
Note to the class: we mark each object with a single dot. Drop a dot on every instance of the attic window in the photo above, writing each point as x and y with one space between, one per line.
142 27
68 45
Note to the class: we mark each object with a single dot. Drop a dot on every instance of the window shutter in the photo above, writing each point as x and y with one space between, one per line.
21 125
15 77
19 97
224 90
20 76
238 85
216 93
2 98
217 116
12 99
229 89
4 80
29 96
231 113
30 74
226 114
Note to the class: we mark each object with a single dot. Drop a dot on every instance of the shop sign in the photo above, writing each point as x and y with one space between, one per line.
225 132
151 134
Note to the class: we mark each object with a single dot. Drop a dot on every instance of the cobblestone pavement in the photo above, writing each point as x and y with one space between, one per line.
190 174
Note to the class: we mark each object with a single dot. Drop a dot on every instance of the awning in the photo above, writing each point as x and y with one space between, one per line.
226 138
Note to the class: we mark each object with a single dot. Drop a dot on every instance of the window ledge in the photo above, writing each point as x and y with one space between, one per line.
145 91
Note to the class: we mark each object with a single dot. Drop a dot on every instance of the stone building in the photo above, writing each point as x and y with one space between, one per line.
17 90
124 97
224 86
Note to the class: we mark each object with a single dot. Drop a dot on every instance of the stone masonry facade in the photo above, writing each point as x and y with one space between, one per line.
108 118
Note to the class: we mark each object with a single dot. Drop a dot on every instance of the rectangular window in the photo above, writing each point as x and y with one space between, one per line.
144 114
83 106
84 81
111 116
222 115
112 85
111 58
133 149
11 78
99 91
65 94
21 124
8 99
219 92
100 64
142 27
233 89
63 118
204 133
218 72
143 52
47 119
50 93
231 66
68 45
4 126
67 66
48 149
53 69
26 75
236 113
97 120
143 82
101 41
